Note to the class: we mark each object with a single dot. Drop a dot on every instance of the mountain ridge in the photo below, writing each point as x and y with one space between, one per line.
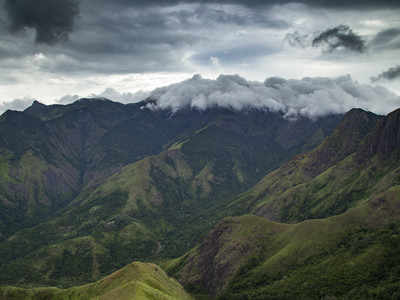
139 183
304 256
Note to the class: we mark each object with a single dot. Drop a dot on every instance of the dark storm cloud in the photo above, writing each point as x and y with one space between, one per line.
391 74
339 38
52 20
339 4
388 39
126 36
124 43
149 39
211 15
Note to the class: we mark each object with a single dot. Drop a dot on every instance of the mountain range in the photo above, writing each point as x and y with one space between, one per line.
234 204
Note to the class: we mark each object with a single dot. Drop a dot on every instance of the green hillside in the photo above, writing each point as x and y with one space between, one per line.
351 256
346 195
334 177
322 225
137 281
97 184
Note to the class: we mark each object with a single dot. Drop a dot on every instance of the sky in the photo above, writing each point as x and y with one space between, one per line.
58 51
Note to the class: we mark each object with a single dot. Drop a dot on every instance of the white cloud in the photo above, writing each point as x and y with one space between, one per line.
309 97
114 95
16 104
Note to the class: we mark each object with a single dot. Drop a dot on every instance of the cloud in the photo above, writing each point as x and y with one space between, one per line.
114 95
108 93
339 4
391 74
298 40
112 38
52 20
16 104
235 55
388 39
309 97
67 99
339 38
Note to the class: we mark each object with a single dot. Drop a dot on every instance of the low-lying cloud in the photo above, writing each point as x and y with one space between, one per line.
114 95
308 97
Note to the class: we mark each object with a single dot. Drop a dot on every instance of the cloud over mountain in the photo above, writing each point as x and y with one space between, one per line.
309 97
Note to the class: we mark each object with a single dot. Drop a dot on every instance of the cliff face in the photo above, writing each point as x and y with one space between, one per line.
384 141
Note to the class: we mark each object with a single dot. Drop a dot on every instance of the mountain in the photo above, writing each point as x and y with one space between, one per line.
335 176
295 209
135 281
354 255
338 230
99 181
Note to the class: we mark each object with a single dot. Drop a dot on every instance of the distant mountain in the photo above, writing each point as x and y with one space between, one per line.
344 198
99 181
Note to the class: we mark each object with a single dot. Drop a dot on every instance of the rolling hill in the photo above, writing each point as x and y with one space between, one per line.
133 282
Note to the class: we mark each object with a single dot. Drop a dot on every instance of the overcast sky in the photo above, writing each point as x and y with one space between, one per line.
50 49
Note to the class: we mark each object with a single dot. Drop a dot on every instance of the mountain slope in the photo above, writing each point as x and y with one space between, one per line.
327 181
350 256
147 183
135 281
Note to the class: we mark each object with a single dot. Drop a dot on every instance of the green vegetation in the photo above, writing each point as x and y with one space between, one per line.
88 188
326 181
137 281
351 256
177 176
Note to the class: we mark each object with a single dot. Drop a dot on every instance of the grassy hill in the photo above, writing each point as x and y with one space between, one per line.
354 255
137 281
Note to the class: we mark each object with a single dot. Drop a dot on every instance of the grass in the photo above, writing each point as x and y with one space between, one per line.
252 258
137 281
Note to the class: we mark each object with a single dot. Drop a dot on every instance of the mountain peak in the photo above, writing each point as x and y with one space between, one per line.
346 138
91 100
36 108
37 103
